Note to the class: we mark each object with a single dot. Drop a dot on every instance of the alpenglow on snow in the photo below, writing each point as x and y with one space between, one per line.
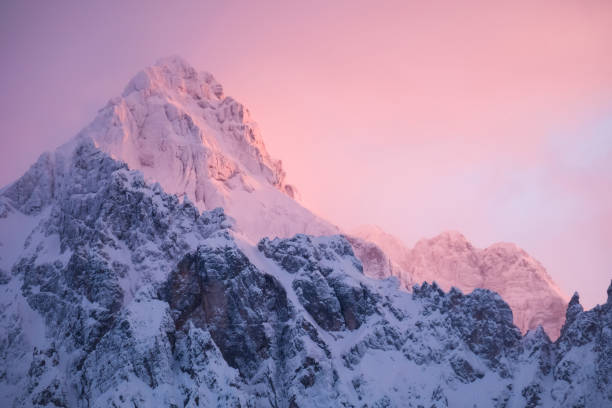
178 128
134 272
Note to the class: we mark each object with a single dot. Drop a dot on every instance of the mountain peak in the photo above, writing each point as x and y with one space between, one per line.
575 300
174 75
574 308
451 260
174 63
447 239
175 125
450 236
507 247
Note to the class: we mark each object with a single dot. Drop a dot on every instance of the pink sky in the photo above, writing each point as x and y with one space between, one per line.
491 118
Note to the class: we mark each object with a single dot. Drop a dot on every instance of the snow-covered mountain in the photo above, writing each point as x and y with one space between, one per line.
450 260
115 293
175 125
135 270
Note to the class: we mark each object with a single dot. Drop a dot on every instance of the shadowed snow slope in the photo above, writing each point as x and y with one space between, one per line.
450 260
115 293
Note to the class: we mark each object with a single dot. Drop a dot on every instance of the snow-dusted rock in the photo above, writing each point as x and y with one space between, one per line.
176 126
121 295
449 259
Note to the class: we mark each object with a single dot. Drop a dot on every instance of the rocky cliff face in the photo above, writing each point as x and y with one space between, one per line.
119 294
449 259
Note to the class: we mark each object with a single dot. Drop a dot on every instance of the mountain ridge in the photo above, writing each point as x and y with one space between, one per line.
450 260
176 126
125 295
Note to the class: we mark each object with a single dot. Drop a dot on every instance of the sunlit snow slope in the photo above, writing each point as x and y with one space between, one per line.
176 126
449 259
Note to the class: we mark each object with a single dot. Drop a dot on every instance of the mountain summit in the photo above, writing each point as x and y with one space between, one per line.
177 127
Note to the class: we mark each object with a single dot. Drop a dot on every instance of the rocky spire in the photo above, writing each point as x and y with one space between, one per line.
574 308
